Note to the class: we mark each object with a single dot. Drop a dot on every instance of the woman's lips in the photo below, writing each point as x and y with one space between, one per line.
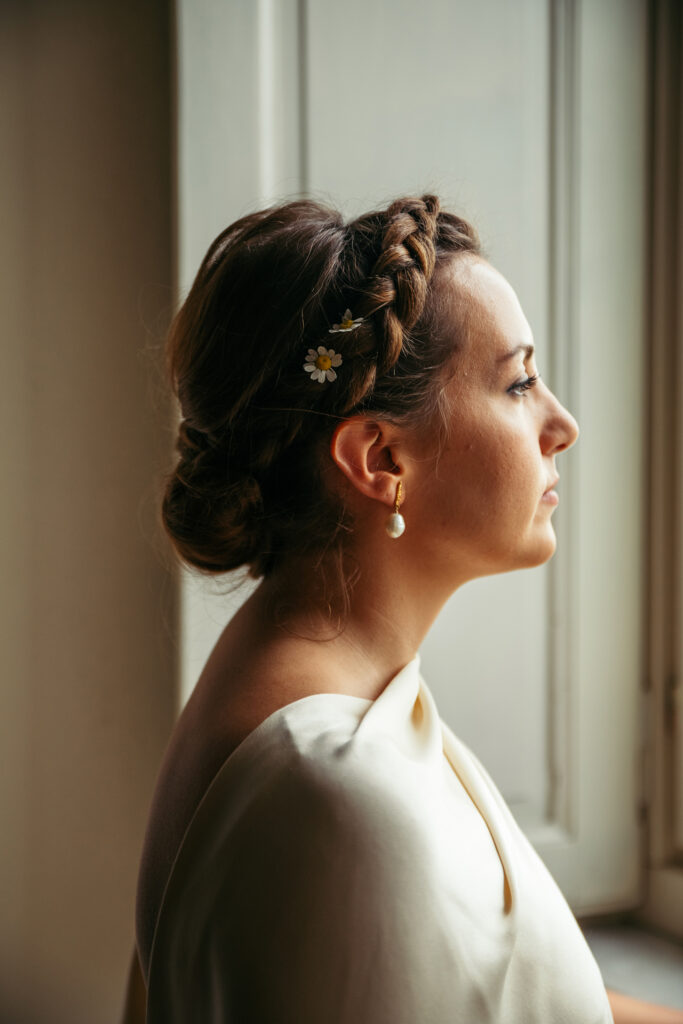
551 497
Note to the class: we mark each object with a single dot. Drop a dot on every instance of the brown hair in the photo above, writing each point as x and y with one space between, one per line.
248 487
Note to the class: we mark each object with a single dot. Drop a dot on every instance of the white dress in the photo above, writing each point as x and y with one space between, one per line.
353 863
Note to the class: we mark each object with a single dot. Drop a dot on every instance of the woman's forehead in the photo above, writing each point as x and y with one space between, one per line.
496 324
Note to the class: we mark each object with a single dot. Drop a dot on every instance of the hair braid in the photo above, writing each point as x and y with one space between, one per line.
399 280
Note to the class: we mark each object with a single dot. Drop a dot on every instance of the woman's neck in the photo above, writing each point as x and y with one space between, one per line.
390 610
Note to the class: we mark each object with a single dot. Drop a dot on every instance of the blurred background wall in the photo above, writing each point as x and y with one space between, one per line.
88 607
536 122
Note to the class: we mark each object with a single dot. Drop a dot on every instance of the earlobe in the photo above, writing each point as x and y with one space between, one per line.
361 448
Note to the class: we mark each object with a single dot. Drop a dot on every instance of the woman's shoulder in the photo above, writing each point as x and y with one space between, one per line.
306 847
274 715
270 742
307 771
303 791
310 753
234 729
308 747
258 723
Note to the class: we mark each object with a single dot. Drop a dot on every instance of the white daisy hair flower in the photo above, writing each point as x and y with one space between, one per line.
347 323
319 363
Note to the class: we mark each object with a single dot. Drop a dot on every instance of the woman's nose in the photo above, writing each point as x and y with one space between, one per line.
561 429
572 428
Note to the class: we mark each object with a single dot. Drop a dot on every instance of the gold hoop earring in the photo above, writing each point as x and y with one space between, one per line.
396 524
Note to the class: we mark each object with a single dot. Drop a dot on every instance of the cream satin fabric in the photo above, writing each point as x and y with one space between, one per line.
354 863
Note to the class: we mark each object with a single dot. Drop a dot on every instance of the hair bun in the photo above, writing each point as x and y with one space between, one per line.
215 524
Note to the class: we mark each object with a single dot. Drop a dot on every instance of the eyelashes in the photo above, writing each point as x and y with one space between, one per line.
524 385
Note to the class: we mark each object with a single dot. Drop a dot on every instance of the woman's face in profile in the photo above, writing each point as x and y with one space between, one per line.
482 506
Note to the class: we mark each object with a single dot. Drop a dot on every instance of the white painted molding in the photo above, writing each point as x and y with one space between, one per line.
563 613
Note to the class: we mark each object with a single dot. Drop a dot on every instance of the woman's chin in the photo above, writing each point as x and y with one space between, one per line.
547 549
540 551
532 556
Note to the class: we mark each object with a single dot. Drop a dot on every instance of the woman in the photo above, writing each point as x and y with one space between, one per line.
365 429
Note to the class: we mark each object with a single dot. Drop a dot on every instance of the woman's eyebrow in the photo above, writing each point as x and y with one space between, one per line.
528 351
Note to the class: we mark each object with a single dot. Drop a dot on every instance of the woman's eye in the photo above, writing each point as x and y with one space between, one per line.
524 385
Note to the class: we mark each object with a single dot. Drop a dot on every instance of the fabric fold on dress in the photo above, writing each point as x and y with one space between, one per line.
353 863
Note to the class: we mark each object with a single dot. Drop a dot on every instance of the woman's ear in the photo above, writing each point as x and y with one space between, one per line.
366 451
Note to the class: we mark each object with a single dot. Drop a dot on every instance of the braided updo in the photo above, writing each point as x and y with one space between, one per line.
248 488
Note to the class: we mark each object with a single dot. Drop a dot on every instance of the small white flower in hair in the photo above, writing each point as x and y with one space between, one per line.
319 364
347 323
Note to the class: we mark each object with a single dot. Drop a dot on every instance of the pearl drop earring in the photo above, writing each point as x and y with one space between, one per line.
396 524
